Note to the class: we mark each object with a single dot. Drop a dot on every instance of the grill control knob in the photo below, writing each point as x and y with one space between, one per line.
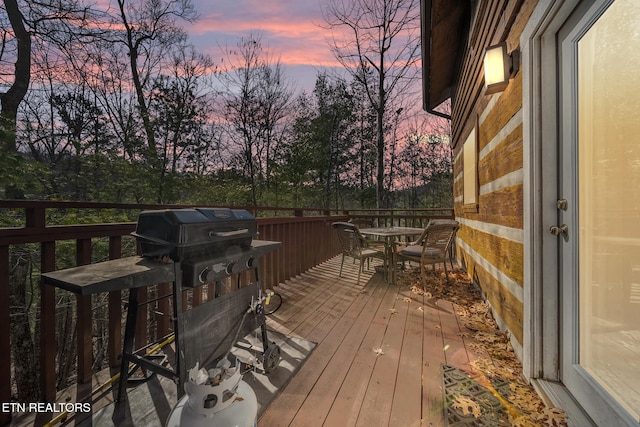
251 262
207 275
230 267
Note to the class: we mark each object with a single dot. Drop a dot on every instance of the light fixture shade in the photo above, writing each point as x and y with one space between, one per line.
497 68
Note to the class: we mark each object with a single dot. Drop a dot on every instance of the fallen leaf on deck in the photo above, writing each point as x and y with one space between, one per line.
393 311
467 406
421 308
553 417
378 351
521 397
521 421
475 325
407 299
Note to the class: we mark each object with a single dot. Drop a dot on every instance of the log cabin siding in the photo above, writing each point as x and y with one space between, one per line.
503 207
505 158
490 242
510 310
501 252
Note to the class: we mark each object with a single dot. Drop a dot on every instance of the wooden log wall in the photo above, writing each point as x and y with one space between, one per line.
490 242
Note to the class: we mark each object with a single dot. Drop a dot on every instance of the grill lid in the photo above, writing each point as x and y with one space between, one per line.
194 233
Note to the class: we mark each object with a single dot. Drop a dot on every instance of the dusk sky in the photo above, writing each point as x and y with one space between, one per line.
289 28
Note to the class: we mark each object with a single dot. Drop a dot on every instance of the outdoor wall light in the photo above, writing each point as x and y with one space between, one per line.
499 67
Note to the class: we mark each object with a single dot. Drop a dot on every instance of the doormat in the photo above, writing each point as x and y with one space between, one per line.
467 403
150 403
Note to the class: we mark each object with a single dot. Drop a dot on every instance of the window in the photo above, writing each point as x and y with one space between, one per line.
470 172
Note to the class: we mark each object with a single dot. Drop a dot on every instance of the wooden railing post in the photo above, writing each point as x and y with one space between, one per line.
35 217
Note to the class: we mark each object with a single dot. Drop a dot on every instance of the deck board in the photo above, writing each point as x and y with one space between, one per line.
433 353
407 396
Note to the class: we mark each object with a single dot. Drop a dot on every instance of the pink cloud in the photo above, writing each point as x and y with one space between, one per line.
288 28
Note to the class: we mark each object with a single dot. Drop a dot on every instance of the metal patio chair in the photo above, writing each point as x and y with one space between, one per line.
355 245
432 247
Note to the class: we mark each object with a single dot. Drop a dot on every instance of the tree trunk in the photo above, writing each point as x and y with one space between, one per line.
12 98
380 160
23 350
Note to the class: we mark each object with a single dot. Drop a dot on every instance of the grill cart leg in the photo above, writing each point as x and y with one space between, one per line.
150 364
127 345
271 353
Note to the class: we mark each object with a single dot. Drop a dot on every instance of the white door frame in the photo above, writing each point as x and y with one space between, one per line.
542 346
539 65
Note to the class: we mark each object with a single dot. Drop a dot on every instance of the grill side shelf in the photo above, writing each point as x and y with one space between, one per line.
114 275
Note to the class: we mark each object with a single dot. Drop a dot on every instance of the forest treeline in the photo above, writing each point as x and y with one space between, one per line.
120 107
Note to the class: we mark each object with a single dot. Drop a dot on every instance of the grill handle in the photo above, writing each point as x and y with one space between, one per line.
151 239
229 233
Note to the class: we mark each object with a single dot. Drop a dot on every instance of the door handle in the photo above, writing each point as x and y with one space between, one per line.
563 230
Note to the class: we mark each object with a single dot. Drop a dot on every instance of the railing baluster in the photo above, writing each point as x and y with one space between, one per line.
84 321
47 325
197 296
164 308
115 309
141 338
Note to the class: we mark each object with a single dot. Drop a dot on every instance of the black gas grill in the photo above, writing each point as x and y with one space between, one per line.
207 245
211 243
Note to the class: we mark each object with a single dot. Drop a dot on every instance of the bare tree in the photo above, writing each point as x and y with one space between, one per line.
11 99
20 24
150 26
178 107
425 162
378 42
255 99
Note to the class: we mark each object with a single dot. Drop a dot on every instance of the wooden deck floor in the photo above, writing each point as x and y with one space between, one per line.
377 362
379 352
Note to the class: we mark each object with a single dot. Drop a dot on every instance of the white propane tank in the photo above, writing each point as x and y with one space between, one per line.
230 403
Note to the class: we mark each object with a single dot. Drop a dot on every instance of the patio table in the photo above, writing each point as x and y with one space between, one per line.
389 235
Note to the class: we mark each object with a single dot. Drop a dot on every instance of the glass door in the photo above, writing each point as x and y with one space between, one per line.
599 172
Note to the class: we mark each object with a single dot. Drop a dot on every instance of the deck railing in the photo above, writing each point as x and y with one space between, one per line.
399 217
307 239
